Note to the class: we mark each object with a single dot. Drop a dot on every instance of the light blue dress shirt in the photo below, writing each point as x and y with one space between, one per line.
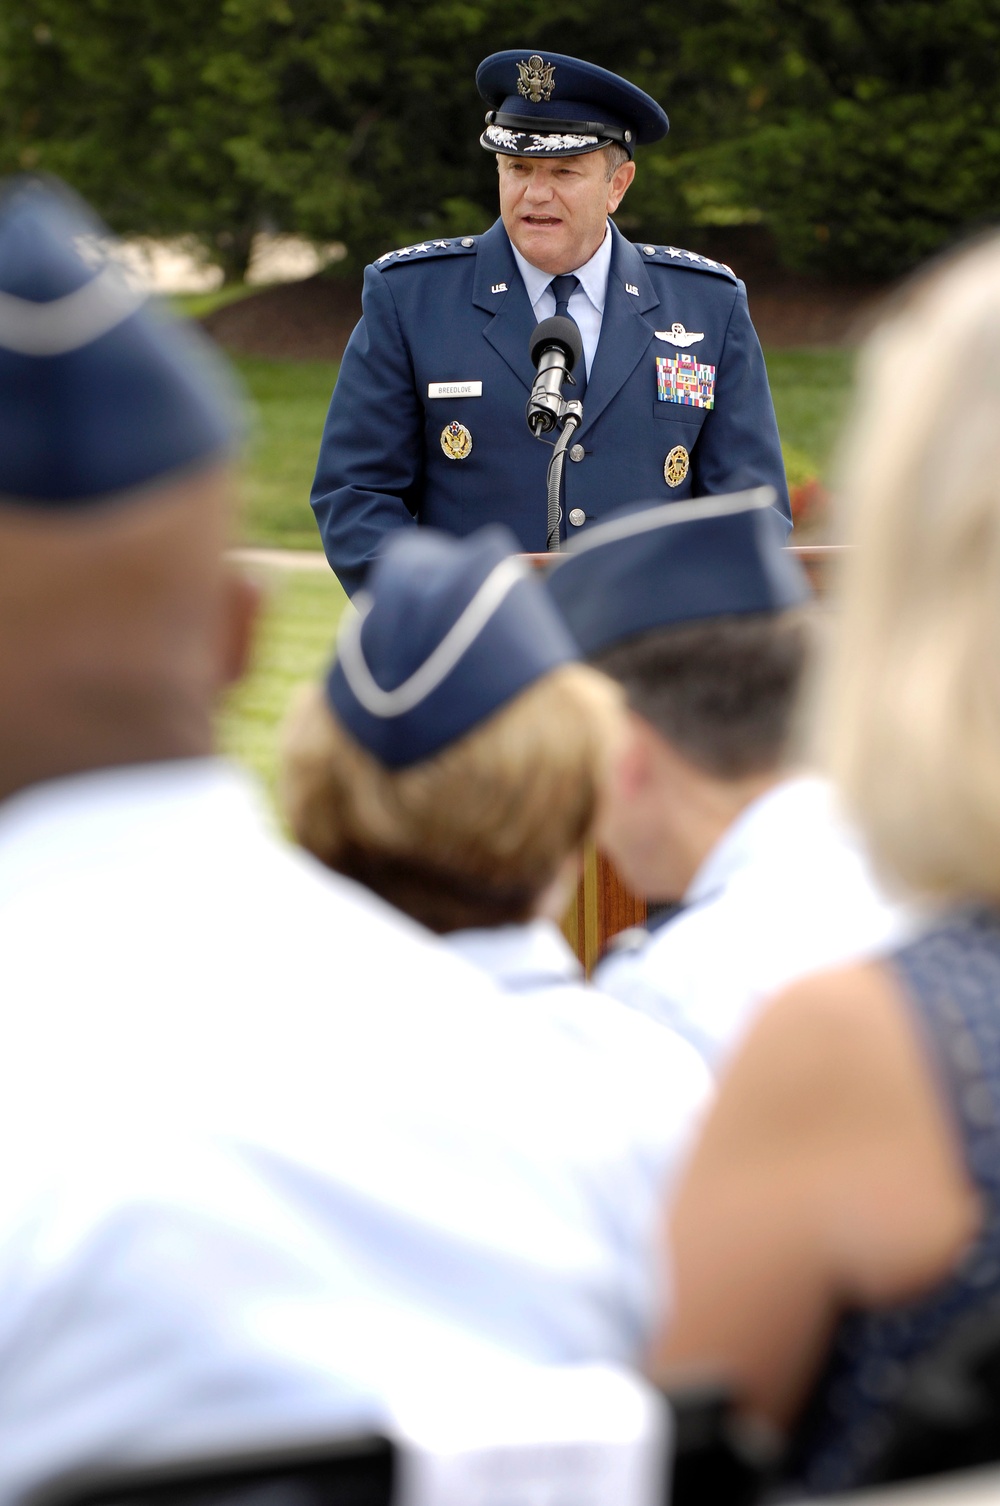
586 304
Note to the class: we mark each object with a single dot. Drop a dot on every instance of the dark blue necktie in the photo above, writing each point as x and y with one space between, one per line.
564 287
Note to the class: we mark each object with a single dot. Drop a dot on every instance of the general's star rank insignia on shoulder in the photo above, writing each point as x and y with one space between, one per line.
683 379
456 441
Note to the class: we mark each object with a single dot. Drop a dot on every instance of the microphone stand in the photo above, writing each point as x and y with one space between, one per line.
569 416
555 348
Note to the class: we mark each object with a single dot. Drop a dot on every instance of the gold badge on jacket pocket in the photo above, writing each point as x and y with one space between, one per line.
456 441
676 465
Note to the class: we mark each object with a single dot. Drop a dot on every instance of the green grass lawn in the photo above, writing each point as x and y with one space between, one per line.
195 305
811 390
296 639
290 398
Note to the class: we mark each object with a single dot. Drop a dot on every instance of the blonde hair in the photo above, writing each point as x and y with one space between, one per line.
473 835
909 723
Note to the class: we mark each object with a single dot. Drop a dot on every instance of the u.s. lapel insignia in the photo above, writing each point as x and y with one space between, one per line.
676 465
456 441
536 79
678 335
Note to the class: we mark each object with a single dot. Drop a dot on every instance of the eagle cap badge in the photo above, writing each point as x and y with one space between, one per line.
536 79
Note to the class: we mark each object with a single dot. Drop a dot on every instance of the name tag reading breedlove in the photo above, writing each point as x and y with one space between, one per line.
589 1435
454 389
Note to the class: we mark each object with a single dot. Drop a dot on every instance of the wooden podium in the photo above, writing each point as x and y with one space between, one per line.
603 905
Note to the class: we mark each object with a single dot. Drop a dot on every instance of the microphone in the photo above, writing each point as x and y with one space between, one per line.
555 349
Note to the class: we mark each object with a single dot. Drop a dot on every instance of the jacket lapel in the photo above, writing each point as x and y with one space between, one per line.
509 330
625 334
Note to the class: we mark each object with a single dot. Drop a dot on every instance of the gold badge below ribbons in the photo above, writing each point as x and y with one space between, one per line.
676 465
456 441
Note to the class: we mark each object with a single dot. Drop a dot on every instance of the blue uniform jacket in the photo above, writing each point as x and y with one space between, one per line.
457 311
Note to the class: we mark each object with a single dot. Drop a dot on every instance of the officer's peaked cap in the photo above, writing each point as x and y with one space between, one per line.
446 632
658 566
548 105
100 391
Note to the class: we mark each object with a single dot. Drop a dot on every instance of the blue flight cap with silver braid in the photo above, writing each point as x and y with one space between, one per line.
549 105
661 565
446 632
101 391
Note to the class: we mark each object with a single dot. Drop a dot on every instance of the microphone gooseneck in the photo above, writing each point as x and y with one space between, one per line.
556 347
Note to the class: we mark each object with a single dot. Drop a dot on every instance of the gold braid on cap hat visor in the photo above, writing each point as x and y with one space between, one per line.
439 665
542 125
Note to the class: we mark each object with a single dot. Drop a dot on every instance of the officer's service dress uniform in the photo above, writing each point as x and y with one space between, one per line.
427 422
786 889
262 1166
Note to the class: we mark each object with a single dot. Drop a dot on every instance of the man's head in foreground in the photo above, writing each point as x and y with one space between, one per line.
564 132
692 608
118 620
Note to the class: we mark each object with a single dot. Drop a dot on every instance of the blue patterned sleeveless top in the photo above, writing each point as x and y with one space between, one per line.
951 975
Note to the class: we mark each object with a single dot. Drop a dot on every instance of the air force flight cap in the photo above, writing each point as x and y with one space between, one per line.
661 566
555 106
446 632
100 392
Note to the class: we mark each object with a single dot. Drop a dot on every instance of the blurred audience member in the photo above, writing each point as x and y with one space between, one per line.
271 1152
701 616
454 763
842 1215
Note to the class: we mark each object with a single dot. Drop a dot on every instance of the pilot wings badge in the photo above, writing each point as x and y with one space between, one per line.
678 335
536 79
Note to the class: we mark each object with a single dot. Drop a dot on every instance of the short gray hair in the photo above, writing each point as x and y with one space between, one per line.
616 155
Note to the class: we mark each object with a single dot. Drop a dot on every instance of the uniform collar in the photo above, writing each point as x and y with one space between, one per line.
593 274
519 957
792 805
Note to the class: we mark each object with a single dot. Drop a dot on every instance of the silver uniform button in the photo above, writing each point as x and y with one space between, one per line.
649 250
578 517
468 241
577 452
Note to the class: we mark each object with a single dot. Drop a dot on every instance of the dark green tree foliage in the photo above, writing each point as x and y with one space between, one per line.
873 130
862 131
117 97
353 120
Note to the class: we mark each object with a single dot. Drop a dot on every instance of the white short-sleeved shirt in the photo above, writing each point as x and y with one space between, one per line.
267 1146
661 1081
786 891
